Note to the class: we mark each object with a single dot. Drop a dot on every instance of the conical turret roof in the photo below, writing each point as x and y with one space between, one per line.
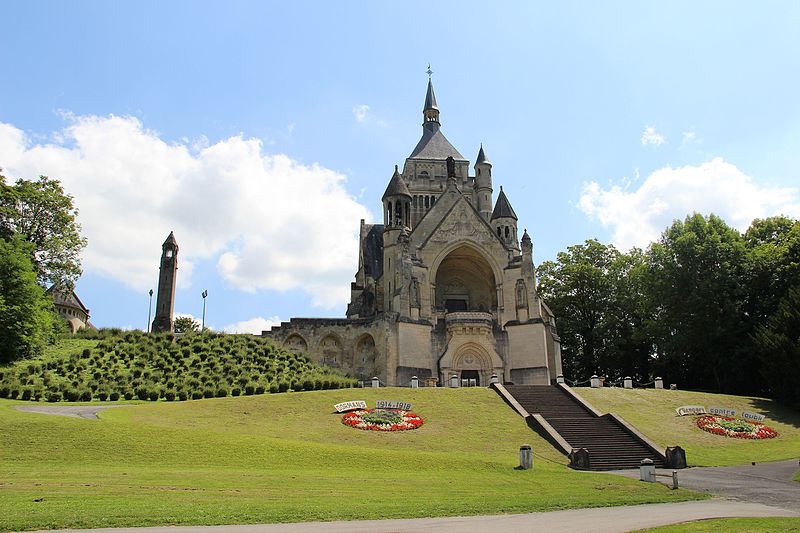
171 240
482 157
396 187
503 209
430 97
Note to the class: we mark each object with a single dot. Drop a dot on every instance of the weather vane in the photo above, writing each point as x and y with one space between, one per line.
429 71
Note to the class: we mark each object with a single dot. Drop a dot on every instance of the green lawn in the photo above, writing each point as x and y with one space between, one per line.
653 412
286 457
741 525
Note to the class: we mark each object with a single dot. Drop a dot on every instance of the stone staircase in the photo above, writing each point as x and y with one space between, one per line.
609 444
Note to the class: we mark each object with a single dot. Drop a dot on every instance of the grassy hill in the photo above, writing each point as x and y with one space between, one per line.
286 457
132 365
653 412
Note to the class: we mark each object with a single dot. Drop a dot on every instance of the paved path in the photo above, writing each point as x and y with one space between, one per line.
75 411
602 520
766 483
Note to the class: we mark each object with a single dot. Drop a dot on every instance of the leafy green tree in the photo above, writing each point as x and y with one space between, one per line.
27 321
579 291
186 324
778 345
44 215
696 286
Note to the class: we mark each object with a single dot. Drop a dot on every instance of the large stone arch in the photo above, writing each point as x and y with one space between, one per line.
296 343
365 357
465 278
472 357
331 350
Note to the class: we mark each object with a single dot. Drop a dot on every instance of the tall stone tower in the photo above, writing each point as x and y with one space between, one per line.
166 285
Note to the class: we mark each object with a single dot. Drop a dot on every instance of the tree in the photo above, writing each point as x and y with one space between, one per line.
44 215
778 345
696 279
27 320
186 324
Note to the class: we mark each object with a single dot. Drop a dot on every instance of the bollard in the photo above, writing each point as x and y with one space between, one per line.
525 457
647 471
414 382
595 382
494 379
674 479
454 381
659 383
560 379
627 382
376 382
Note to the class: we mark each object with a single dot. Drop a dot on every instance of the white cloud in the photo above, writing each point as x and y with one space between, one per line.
272 222
254 325
651 137
361 112
638 217
363 115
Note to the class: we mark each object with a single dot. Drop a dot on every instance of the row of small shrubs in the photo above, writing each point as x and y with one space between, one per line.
134 365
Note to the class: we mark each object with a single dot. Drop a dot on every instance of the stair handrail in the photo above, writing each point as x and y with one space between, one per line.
638 435
578 398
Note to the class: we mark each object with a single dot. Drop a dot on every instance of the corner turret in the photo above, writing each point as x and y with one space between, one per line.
504 220
483 185
396 203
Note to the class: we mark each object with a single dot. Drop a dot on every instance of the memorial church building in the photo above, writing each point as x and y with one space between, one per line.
445 288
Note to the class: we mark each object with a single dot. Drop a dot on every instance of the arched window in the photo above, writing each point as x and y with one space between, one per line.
499 231
433 200
507 232
427 202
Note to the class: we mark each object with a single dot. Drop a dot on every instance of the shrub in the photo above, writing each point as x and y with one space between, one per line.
250 389
197 394
235 391
153 395
183 395
208 392
86 395
273 388
259 389
283 386
141 393
114 396
169 395
102 395
128 395
52 396
26 394
222 392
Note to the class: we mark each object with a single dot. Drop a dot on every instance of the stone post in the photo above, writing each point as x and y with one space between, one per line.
525 457
560 379
494 379
659 383
595 382
627 382
376 382
414 382
454 381
647 471
676 457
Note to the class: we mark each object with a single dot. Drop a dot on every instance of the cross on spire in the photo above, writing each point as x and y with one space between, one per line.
429 71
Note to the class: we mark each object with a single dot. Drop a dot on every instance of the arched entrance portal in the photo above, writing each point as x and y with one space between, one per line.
465 282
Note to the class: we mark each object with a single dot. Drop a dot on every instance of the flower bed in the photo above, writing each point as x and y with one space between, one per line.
382 420
737 428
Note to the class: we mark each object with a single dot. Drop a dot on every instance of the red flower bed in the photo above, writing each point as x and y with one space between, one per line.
382 420
736 428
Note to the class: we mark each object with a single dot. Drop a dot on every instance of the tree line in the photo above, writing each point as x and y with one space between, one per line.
705 307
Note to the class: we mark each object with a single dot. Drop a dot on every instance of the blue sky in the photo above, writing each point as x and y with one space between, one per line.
262 132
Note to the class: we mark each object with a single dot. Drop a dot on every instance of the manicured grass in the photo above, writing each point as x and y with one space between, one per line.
653 412
287 457
748 525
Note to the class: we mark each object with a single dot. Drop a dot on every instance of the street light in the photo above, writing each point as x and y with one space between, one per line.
149 310
204 294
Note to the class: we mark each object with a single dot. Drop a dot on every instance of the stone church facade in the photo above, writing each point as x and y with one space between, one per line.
444 288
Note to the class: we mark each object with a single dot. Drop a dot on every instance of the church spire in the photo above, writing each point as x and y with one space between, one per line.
431 110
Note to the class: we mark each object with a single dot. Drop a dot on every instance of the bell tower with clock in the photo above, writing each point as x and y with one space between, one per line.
166 285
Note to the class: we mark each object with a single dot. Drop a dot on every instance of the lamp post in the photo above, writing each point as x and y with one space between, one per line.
149 310
203 325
